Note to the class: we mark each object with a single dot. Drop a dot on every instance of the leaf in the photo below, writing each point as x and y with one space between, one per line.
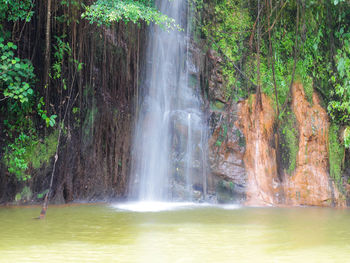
42 194
18 197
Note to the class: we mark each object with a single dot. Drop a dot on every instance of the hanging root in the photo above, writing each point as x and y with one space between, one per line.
44 208
46 200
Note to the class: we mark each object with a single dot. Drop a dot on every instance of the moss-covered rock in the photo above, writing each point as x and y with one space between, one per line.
336 155
289 141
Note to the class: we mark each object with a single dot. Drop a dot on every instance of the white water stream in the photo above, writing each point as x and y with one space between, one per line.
169 143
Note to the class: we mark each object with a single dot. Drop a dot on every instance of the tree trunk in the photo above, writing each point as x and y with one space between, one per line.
47 51
258 89
272 58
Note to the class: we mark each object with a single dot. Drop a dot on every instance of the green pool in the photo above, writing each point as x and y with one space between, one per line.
180 233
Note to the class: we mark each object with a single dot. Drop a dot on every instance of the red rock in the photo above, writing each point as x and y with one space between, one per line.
310 183
263 185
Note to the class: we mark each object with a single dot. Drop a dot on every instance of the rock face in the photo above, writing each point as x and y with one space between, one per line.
227 146
243 146
310 183
263 184
227 178
215 78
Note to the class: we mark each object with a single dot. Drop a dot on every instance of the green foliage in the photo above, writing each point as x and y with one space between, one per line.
28 150
222 135
289 141
17 79
336 155
18 197
322 55
49 120
42 194
227 30
63 52
15 74
70 3
41 151
15 157
14 10
106 12
25 195
308 89
309 61
283 43
347 137
339 106
61 48
335 2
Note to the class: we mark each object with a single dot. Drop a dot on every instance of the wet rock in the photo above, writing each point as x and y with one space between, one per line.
197 195
263 184
226 151
195 56
181 193
226 143
229 192
215 78
310 183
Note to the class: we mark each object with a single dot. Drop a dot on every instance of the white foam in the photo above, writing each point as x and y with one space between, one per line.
168 206
230 206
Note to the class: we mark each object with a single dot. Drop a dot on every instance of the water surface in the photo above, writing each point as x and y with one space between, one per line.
188 233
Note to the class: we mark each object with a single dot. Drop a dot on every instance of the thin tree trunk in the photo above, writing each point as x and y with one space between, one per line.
47 51
269 7
258 90
295 48
295 59
272 61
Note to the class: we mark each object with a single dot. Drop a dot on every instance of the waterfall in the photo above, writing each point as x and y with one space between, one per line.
189 158
169 161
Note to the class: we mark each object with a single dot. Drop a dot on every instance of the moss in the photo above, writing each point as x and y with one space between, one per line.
88 124
40 152
306 152
193 81
336 156
347 137
302 77
292 144
222 135
289 141
241 138
230 16
26 194
250 102
217 106
29 150
225 191
308 90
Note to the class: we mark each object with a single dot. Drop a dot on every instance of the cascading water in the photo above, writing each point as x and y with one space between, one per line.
169 162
